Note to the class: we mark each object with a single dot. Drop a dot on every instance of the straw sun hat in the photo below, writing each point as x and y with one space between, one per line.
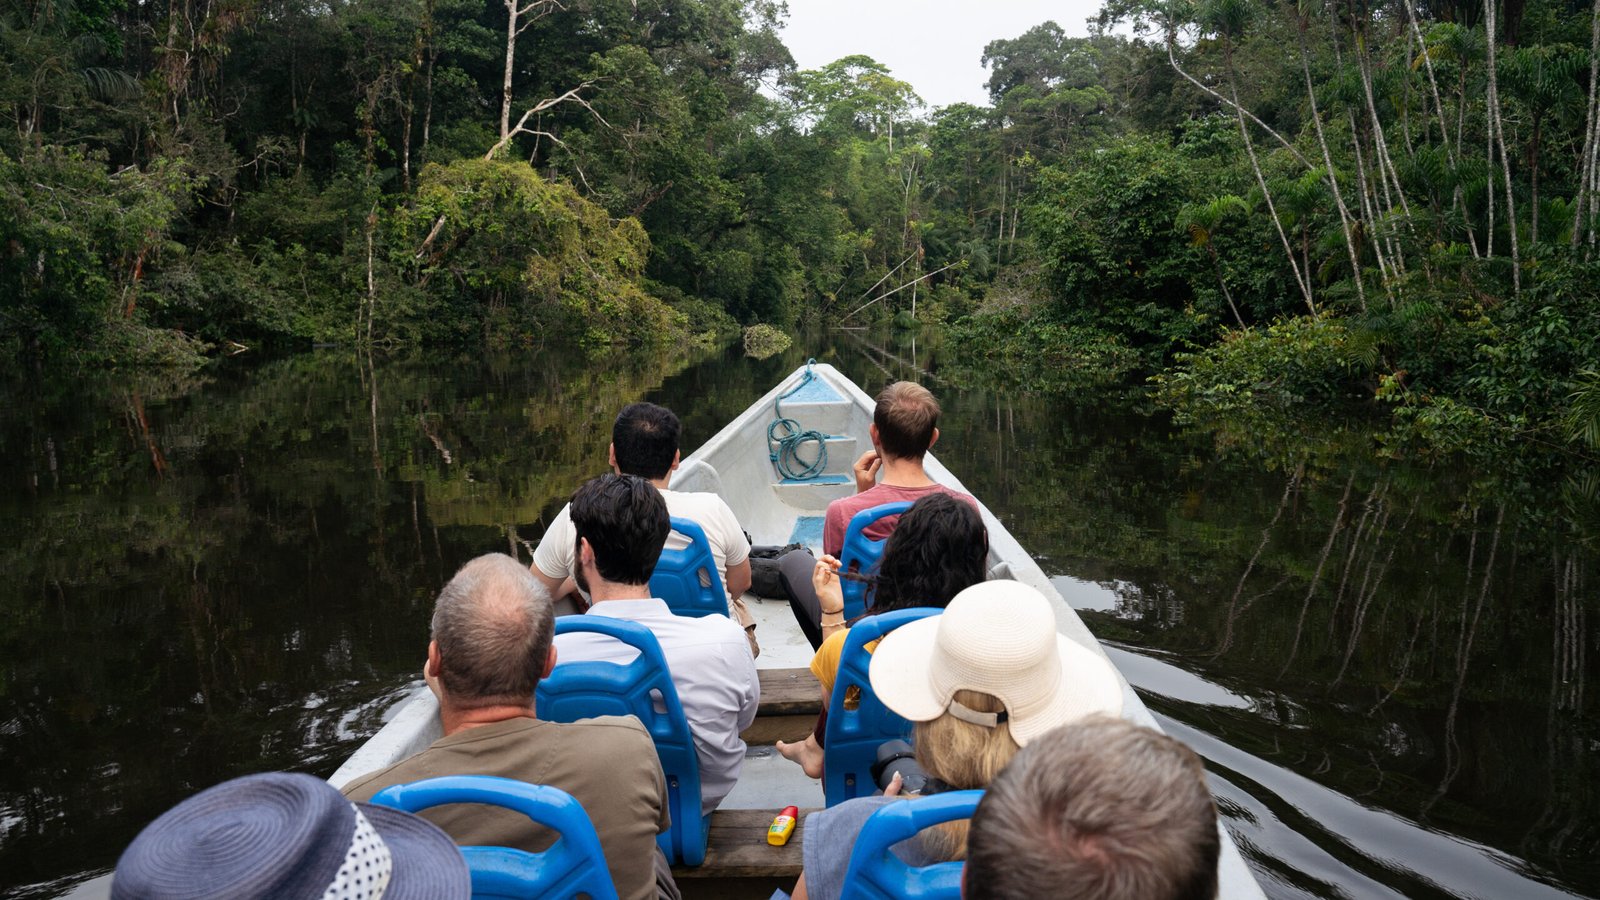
292 836
999 638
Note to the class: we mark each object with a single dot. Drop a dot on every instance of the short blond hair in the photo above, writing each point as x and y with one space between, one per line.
906 416
964 756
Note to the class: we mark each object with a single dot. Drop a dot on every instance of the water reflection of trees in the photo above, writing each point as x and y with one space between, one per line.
1414 633
217 576
1430 617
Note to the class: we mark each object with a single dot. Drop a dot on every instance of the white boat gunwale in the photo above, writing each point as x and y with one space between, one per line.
414 724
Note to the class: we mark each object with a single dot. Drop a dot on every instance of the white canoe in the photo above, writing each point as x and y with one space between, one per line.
736 465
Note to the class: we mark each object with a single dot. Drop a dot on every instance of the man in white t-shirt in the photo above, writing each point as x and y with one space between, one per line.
621 522
644 442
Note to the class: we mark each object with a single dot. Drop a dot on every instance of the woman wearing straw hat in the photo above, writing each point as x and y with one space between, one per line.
979 681
938 549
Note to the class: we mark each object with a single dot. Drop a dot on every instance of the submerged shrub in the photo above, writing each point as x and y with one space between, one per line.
1292 362
1013 348
762 341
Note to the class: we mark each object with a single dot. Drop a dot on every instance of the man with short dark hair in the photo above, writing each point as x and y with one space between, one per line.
491 643
644 442
619 522
905 424
1100 809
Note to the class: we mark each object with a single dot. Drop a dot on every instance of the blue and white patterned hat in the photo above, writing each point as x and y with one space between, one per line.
291 836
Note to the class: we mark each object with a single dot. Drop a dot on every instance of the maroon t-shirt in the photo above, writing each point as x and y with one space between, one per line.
842 510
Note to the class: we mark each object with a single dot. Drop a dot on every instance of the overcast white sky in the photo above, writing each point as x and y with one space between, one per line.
935 45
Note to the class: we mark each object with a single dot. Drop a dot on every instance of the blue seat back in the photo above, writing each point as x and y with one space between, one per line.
581 689
688 579
572 865
861 554
877 874
853 735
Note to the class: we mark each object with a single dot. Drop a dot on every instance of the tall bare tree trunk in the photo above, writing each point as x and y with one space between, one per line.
408 114
519 16
1000 236
372 283
1594 185
1387 172
1303 280
1452 154
1369 208
512 10
1498 134
1301 24
427 88
1172 58
1433 83
1583 218
1388 269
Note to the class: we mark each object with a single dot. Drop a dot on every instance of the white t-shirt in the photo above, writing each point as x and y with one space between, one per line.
729 547
712 669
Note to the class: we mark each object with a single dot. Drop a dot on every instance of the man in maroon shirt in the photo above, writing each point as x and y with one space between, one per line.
904 425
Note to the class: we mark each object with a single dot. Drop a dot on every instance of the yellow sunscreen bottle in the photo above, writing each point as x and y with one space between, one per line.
782 826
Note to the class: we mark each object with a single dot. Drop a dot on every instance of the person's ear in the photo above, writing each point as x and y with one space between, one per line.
935 440
549 662
430 671
677 457
611 458
872 434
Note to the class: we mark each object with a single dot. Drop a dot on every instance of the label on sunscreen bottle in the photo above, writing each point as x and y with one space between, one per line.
782 826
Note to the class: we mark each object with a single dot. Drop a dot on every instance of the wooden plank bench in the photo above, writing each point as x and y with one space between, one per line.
737 848
789 692
790 701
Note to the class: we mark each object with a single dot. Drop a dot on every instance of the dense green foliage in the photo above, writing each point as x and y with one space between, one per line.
1293 207
1180 189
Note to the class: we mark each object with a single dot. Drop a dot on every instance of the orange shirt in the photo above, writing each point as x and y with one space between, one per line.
825 664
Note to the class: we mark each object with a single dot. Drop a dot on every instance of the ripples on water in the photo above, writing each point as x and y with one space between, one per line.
1385 665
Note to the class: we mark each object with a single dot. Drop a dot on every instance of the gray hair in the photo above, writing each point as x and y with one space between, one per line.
493 622
1100 809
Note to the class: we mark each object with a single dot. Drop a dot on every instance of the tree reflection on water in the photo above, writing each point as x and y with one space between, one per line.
225 574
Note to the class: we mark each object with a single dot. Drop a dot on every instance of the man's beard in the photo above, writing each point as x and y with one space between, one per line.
577 568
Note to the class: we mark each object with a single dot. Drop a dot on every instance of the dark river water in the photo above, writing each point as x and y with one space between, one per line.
1385 662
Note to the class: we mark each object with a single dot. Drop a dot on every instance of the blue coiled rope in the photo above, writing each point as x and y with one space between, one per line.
785 438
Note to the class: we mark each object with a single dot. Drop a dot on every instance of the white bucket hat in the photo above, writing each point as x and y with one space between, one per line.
999 638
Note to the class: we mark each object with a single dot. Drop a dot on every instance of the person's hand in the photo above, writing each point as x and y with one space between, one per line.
866 470
895 785
825 581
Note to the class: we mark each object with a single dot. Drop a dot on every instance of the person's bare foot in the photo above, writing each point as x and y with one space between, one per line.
807 753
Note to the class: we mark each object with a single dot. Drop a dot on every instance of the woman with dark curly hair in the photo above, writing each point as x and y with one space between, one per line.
938 549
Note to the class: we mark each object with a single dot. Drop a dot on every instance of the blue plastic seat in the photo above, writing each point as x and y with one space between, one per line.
572 865
688 579
850 744
581 689
877 874
860 554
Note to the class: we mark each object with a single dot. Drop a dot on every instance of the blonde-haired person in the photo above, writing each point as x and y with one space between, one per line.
980 681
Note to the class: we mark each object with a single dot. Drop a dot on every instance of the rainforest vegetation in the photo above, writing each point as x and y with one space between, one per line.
1390 205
